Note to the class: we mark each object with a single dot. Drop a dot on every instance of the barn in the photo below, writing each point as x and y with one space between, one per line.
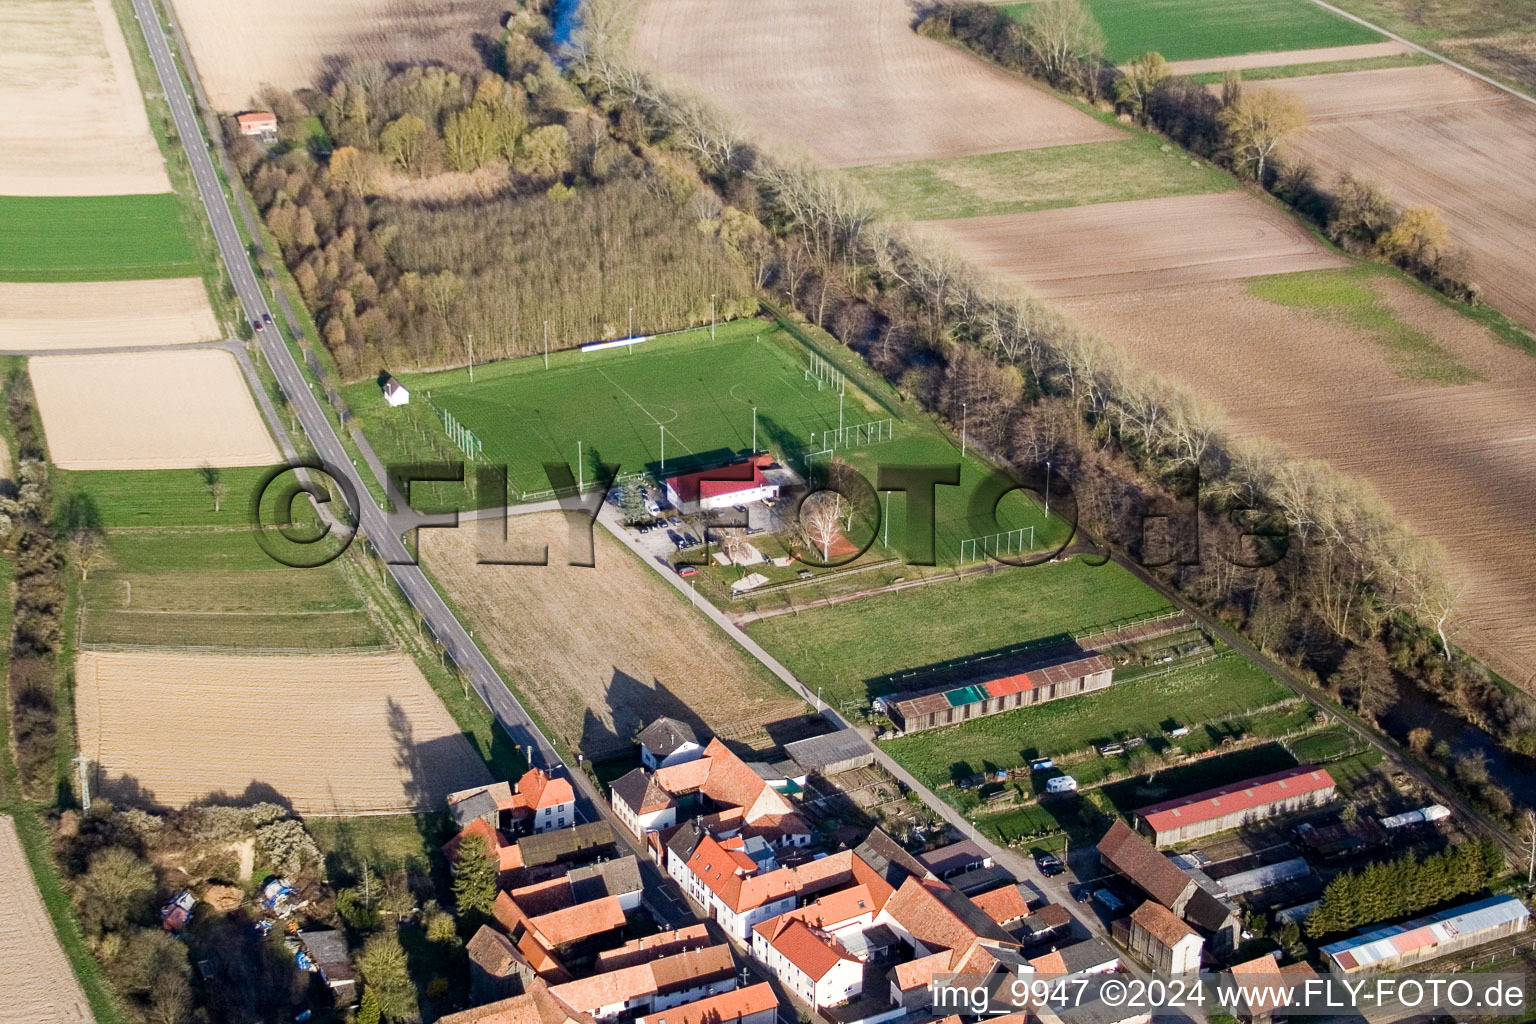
835 752
1007 684
1235 804
1399 945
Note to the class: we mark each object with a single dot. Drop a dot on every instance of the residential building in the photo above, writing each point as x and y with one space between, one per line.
651 987
717 785
260 124
889 859
536 1006
1162 940
1236 804
496 969
1425 938
1091 1011
555 940
538 802
737 483
653 947
1129 855
956 858
755 1004
809 961
1091 956
947 934
667 741
958 695
1271 987
1005 905
1046 924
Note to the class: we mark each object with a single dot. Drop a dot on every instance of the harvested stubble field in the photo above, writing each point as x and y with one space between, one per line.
850 80
1290 58
149 410
1433 135
38 984
599 652
72 121
107 314
1455 460
328 734
1120 247
240 47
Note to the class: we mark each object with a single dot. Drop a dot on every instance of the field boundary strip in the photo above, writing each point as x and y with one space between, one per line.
254 652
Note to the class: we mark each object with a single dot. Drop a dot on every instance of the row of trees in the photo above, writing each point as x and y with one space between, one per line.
1038 388
1392 890
40 590
583 237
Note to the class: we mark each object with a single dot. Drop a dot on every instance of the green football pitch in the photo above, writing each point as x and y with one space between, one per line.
669 403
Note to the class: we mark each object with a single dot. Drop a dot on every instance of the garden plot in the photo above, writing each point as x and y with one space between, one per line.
1120 247
72 121
106 314
35 976
149 410
851 81
325 733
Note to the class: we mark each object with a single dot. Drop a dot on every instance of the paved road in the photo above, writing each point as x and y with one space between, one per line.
487 682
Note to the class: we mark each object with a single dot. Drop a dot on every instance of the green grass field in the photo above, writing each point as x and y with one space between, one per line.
617 403
159 497
1193 29
1351 297
1173 783
1325 745
1188 696
846 649
1136 167
217 588
93 238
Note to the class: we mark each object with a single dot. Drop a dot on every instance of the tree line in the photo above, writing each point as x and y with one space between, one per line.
490 205
1392 890
1242 129
1349 577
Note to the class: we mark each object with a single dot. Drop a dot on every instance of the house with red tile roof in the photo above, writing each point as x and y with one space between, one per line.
718 783
1236 804
947 933
738 483
1163 941
810 961
554 940
652 986
539 802
1130 855
741 892
755 1004
1006 906
652 947
535 1006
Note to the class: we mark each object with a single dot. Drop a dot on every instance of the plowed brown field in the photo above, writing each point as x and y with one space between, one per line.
72 121
1149 243
239 47
149 410
36 981
1457 462
1433 135
1321 55
104 314
327 733
850 80
598 653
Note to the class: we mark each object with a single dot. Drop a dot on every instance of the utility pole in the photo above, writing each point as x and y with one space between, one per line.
711 316
754 430
840 416
1047 488
471 357
580 483
1530 843
663 447
964 412
546 344
631 324
887 521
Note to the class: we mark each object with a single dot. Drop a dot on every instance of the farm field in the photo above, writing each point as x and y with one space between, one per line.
1273 71
38 982
1454 460
93 238
1153 243
1493 36
596 655
72 120
150 410
1135 167
849 649
1320 59
1433 135
328 734
217 588
104 314
617 403
1149 706
161 497
850 81
299 41
1192 29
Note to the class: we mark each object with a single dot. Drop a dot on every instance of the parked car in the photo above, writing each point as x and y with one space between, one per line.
653 508
1078 892
687 570
675 521
1108 900
644 527
1049 865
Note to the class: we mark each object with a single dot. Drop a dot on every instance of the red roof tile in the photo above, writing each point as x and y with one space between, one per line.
814 953
1236 797
1004 905
1161 923
720 1009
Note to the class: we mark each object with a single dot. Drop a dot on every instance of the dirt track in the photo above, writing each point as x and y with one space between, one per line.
1322 55
239 47
850 80
72 121
1457 462
104 314
36 979
600 652
1433 135
329 734
149 410
1149 243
